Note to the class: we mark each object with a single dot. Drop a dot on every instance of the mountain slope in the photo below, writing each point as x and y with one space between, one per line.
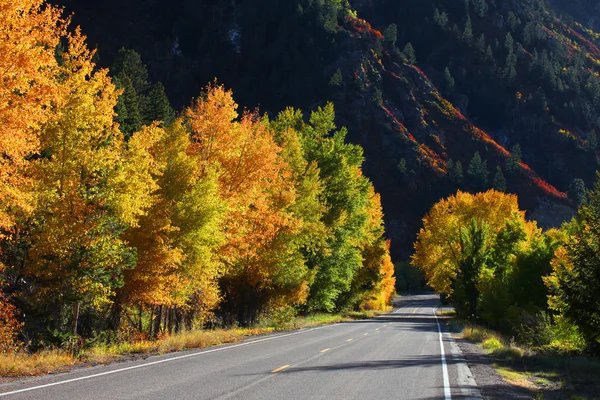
488 76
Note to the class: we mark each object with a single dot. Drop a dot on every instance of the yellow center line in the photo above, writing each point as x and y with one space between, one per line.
280 368
349 340
325 350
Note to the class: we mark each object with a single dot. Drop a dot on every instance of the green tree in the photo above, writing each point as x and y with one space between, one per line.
477 173
390 34
575 281
409 53
449 83
513 164
336 78
440 18
157 106
499 181
468 31
455 171
577 191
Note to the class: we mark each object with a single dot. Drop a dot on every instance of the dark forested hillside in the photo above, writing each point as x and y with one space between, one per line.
442 94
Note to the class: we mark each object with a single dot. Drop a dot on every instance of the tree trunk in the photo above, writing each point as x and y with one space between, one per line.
75 318
158 320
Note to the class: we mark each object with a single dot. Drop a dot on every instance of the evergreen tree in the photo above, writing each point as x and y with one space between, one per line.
539 101
477 173
390 34
455 171
440 18
591 144
468 32
480 44
480 7
336 78
499 181
513 164
577 191
128 111
409 53
449 83
157 107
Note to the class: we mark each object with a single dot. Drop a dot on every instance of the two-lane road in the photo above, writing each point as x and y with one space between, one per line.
401 355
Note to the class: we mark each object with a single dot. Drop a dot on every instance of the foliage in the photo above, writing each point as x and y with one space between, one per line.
472 247
575 279
27 89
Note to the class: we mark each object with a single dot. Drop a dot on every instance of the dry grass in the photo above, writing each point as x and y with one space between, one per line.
25 364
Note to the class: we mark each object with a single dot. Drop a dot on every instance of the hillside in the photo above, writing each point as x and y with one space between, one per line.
502 77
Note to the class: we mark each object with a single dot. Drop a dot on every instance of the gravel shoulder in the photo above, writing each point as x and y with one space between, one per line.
489 382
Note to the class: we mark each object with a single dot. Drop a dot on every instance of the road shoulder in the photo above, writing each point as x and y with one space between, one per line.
490 383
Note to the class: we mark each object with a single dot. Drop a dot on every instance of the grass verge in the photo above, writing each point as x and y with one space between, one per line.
56 360
549 375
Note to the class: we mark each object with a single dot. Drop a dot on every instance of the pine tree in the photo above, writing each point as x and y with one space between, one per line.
468 31
513 164
390 34
409 53
499 181
477 173
157 106
455 171
449 83
440 18
577 191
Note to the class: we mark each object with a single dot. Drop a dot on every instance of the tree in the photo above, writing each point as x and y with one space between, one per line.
77 256
336 78
466 235
575 280
255 184
28 67
157 107
390 34
455 171
539 101
440 18
577 191
499 181
448 81
409 53
468 32
513 164
480 7
477 173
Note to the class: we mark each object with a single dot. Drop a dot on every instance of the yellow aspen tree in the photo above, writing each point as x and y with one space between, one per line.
31 31
76 254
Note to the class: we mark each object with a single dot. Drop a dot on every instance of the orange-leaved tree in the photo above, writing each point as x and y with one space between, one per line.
31 31
256 184
76 254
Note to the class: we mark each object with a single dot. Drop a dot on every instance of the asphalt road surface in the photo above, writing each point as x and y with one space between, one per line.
396 356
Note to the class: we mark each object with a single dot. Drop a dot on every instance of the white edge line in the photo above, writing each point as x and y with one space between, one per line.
447 393
81 378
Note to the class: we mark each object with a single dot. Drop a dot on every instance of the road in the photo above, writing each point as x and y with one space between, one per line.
396 356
